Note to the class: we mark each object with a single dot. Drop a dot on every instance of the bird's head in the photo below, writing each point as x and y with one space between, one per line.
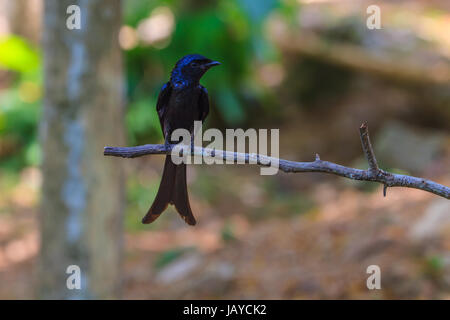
192 67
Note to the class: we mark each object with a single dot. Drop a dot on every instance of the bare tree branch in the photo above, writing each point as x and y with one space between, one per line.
374 173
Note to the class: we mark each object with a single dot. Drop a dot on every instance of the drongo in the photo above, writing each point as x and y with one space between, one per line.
181 101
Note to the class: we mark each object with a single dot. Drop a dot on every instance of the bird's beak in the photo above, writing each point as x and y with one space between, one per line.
211 64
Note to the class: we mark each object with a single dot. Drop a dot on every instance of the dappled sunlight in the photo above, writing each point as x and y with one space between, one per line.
157 28
128 38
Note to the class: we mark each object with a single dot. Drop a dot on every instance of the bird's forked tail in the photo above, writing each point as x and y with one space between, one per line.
172 190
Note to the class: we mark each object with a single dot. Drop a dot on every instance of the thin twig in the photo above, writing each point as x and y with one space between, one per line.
374 173
367 147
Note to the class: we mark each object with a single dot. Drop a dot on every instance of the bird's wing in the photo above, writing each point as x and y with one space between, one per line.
163 102
203 104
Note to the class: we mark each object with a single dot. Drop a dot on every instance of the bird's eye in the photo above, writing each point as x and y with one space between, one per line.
194 64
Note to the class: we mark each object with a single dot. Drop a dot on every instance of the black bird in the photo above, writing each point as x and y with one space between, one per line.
181 101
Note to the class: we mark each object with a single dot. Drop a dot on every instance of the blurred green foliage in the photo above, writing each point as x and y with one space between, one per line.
17 55
19 104
230 31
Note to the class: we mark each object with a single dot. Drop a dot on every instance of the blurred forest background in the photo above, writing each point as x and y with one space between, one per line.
311 68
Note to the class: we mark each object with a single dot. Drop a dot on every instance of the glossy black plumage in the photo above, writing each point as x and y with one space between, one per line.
181 101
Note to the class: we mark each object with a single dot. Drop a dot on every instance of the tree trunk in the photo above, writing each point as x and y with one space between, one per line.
21 11
82 195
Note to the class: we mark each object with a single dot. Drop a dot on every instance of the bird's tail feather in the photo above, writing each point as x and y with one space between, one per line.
172 190
180 195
